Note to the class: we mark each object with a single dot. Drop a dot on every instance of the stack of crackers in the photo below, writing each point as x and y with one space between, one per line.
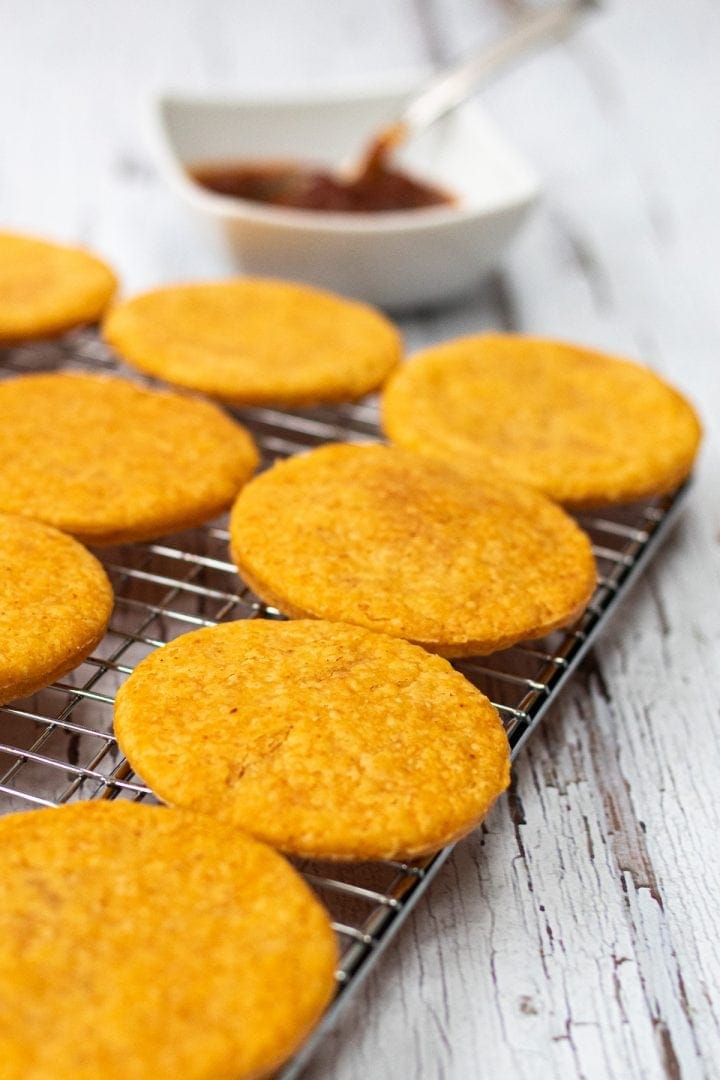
341 734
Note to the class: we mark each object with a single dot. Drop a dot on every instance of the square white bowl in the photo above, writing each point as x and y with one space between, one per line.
400 259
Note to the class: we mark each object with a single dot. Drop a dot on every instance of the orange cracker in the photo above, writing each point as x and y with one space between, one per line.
324 740
46 289
139 941
582 427
108 461
251 342
55 602
395 542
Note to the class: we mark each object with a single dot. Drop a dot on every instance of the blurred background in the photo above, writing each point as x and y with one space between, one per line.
619 122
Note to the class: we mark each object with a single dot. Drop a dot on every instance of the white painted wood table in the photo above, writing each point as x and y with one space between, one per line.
576 934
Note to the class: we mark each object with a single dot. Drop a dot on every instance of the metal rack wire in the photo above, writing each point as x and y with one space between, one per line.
58 746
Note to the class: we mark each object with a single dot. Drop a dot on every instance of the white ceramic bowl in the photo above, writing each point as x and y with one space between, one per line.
396 260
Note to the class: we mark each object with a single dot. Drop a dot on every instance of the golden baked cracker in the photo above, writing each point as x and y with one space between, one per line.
139 941
47 288
110 461
55 602
324 740
395 542
252 341
583 427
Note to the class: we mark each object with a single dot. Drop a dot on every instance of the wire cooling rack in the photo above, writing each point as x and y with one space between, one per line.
58 745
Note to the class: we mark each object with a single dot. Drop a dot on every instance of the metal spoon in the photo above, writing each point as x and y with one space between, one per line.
450 88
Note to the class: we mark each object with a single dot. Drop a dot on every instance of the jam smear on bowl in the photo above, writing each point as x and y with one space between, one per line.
377 188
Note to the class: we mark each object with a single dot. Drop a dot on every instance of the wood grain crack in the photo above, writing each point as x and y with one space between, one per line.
627 837
582 254
425 13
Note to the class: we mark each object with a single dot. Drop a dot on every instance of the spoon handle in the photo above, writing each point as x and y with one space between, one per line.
450 88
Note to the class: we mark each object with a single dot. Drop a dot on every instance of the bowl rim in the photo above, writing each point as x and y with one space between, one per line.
231 208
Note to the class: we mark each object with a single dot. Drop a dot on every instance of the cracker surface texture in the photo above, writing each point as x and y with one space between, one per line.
46 289
255 342
141 942
324 740
109 461
392 541
584 428
55 602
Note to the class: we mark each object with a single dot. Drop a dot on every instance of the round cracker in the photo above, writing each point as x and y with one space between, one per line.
255 342
322 739
140 941
109 461
46 289
584 428
55 602
389 540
